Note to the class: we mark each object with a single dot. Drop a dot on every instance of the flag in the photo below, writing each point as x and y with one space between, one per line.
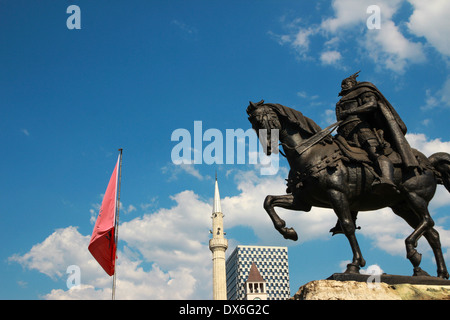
103 244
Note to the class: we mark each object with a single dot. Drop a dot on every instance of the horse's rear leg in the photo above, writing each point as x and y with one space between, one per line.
285 201
432 237
417 223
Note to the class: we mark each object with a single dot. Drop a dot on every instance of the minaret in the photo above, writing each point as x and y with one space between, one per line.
218 245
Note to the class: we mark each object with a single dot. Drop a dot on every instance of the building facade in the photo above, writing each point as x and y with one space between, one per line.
272 264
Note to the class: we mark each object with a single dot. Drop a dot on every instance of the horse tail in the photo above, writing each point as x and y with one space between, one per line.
441 163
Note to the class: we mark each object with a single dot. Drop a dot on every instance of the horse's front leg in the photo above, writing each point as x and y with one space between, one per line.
286 201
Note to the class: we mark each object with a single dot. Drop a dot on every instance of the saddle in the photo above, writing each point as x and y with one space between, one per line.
344 152
356 154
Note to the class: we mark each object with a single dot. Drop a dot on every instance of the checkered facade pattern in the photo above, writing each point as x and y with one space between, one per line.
272 263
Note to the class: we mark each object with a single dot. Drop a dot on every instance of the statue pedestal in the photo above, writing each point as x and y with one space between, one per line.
341 286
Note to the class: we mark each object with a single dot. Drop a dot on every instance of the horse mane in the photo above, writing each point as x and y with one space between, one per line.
296 118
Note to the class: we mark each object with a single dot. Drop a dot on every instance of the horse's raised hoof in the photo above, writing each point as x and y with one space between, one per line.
289 233
351 268
418 272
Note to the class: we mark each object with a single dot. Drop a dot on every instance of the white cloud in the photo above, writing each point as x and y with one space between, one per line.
67 247
330 57
172 237
58 251
81 292
298 36
301 40
420 142
430 20
129 209
439 99
346 17
329 117
387 46
282 39
351 14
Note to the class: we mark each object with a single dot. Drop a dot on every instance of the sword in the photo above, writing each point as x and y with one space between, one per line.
316 138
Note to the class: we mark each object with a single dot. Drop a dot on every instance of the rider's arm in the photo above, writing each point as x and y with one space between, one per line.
370 104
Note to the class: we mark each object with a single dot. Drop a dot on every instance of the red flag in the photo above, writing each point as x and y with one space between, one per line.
102 245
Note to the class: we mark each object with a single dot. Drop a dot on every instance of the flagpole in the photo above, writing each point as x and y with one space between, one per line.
116 227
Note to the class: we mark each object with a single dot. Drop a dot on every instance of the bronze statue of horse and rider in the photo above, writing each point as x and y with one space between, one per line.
367 165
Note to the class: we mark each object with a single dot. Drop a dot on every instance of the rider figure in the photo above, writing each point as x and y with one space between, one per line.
370 122
355 112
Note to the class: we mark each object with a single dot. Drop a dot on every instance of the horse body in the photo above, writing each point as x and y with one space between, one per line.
322 176
355 180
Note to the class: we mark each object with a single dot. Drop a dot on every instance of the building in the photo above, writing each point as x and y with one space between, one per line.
272 263
218 245
255 286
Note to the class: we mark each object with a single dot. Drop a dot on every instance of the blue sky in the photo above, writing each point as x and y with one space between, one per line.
135 72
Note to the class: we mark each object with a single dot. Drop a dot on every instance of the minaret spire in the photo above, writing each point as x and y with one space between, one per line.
216 206
218 245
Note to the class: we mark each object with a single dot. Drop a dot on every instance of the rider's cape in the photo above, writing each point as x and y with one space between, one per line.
388 120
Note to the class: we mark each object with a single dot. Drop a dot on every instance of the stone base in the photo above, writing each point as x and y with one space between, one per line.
390 279
342 287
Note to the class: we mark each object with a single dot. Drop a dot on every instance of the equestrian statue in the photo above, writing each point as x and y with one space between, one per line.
367 165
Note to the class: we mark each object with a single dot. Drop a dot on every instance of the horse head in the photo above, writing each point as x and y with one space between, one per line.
264 119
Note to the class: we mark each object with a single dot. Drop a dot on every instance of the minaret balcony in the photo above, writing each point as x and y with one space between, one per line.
217 243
